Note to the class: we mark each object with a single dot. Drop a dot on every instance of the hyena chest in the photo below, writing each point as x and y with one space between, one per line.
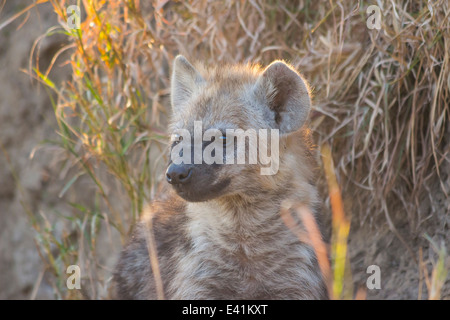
245 269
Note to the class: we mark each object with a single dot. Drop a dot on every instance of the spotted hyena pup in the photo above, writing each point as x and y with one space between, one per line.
217 231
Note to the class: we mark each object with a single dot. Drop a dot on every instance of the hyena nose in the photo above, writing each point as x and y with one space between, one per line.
178 174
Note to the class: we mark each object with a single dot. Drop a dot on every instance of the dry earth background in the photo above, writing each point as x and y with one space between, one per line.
27 119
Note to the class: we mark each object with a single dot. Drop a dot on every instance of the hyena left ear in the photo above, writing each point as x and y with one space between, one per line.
185 78
286 94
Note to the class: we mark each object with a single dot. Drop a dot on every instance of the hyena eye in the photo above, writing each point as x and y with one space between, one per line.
176 138
227 141
223 139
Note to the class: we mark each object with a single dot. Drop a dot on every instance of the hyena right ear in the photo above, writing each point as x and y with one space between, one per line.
185 78
286 94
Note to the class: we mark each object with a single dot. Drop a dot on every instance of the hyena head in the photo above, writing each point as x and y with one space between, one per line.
215 101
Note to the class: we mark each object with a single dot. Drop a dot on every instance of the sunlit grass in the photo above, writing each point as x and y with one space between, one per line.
340 225
336 274
439 271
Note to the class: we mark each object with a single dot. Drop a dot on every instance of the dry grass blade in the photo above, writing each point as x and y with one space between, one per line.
340 224
311 236
153 256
